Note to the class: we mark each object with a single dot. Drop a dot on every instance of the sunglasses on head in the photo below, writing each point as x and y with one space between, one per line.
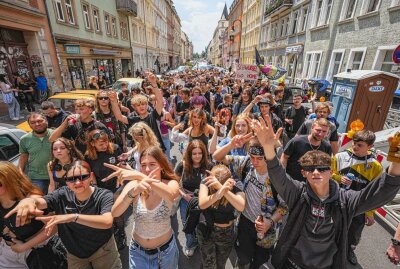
320 169
103 98
98 135
75 178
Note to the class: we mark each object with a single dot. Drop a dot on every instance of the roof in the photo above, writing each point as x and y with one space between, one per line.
67 95
224 15
363 74
131 79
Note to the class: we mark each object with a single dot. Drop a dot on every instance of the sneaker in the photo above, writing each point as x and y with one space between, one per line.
352 256
21 117
14 119
189 251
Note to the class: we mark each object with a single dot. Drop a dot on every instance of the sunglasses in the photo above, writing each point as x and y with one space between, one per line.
75 178
320 169
99 135
103 98
58 167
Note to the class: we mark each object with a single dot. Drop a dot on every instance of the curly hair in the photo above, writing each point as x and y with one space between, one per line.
73 152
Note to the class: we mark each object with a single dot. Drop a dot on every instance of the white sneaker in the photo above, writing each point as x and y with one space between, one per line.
14 118
21 117
189 251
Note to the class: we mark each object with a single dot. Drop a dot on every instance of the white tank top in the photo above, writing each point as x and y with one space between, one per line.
149 224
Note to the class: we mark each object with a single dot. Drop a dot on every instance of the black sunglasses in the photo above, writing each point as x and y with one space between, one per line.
99 135
75 178
58 167
103 98
320 169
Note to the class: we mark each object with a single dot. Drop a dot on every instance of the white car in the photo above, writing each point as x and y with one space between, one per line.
9 143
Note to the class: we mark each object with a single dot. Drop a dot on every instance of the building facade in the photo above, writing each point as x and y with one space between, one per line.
250 30
234 32
92 39
26 43
216 47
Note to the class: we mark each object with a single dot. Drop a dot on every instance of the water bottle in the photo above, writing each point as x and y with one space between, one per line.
351 177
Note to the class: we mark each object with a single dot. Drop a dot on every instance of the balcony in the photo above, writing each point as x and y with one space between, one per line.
127 7
277 5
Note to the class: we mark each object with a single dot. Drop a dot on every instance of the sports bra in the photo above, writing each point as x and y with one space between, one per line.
152 223
59 180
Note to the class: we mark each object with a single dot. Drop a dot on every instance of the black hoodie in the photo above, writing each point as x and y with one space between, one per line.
315 235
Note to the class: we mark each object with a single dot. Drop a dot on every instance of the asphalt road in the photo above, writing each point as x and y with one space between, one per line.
370 252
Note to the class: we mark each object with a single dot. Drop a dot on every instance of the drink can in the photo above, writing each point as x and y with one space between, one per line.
351 177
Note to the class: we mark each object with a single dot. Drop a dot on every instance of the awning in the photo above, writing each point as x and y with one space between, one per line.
105 52
294 49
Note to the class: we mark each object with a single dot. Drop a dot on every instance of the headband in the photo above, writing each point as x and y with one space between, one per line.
256 150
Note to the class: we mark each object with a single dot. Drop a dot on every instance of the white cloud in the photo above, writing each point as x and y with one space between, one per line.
199 20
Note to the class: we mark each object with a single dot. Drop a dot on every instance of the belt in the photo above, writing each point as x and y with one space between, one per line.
154 250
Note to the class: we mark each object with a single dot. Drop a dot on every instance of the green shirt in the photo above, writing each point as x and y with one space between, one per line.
39 154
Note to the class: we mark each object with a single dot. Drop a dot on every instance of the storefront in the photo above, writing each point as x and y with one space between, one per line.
104 67
77 72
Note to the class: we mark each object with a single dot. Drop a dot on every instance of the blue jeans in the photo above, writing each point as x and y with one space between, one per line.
191 240
167 144
13 109
167 259
42 184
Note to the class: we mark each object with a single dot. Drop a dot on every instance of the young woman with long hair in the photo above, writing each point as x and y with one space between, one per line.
198 128
16 243
143 137
82 216
219 198
152 193
63 153
192 169
101 150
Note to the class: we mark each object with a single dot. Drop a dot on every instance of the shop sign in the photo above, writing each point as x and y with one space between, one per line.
396 55
376 88
72 49
246 71
294 49
344 91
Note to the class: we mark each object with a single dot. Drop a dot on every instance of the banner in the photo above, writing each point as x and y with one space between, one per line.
246 71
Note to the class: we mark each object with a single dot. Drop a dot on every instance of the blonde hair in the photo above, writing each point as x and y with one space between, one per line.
139 99
222 173
149 138
89 102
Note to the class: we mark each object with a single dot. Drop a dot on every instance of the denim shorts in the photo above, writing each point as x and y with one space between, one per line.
167 259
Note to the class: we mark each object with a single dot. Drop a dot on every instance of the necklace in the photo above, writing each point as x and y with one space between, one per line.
81 205
312 147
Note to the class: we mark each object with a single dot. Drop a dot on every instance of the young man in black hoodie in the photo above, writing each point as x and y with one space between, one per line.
316 232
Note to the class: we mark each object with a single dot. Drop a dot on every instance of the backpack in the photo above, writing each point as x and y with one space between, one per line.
192 215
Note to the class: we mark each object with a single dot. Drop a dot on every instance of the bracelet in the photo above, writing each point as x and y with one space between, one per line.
272 222
130 195
76 217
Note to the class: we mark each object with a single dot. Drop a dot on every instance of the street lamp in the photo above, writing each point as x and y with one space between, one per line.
232 36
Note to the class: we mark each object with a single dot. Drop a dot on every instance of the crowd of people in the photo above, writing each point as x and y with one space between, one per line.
266 181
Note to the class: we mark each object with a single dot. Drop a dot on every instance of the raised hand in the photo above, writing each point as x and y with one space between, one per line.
239 140
25 209
152 79
123 174
212 182
113 96
52 221
264 131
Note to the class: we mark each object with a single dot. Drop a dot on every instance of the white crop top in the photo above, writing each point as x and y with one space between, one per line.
149 224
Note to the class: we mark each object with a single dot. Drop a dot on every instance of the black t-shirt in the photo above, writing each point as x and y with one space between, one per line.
223 214
182 106
298 115
79 131
56 121
189 182
151 120
223 105
296 148
80 240
101 172
22 232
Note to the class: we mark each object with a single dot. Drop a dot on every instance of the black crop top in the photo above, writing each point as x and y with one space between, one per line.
23 232
223 214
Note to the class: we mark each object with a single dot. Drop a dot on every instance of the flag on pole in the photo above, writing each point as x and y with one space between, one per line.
258 57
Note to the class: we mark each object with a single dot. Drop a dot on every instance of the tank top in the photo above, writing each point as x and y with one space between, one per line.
163 128
59 180
152 223
203 138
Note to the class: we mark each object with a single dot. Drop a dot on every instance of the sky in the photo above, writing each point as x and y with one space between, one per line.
199 18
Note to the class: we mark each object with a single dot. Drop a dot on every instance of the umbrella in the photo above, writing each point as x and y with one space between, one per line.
397 93
271 71
323 84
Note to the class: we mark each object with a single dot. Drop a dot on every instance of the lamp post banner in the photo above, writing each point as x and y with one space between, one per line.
246 71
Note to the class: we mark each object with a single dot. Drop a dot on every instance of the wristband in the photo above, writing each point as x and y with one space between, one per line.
76 217
395 242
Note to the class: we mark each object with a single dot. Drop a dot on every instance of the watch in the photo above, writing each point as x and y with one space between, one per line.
395 242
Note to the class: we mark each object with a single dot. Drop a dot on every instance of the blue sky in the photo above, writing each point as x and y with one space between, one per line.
199 19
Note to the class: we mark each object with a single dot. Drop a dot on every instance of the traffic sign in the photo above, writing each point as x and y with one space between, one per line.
396 55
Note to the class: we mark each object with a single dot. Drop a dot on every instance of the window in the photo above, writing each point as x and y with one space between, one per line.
8 148
335 63
328 11
373 5
114 27
304 19
318 12
294 22
383 60
312 64
96 19
348 9
59 9
107 24
70 12
395 3
388 63
356 59
124 30
86 16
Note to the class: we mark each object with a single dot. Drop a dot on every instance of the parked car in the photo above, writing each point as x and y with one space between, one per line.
9 143
133 83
